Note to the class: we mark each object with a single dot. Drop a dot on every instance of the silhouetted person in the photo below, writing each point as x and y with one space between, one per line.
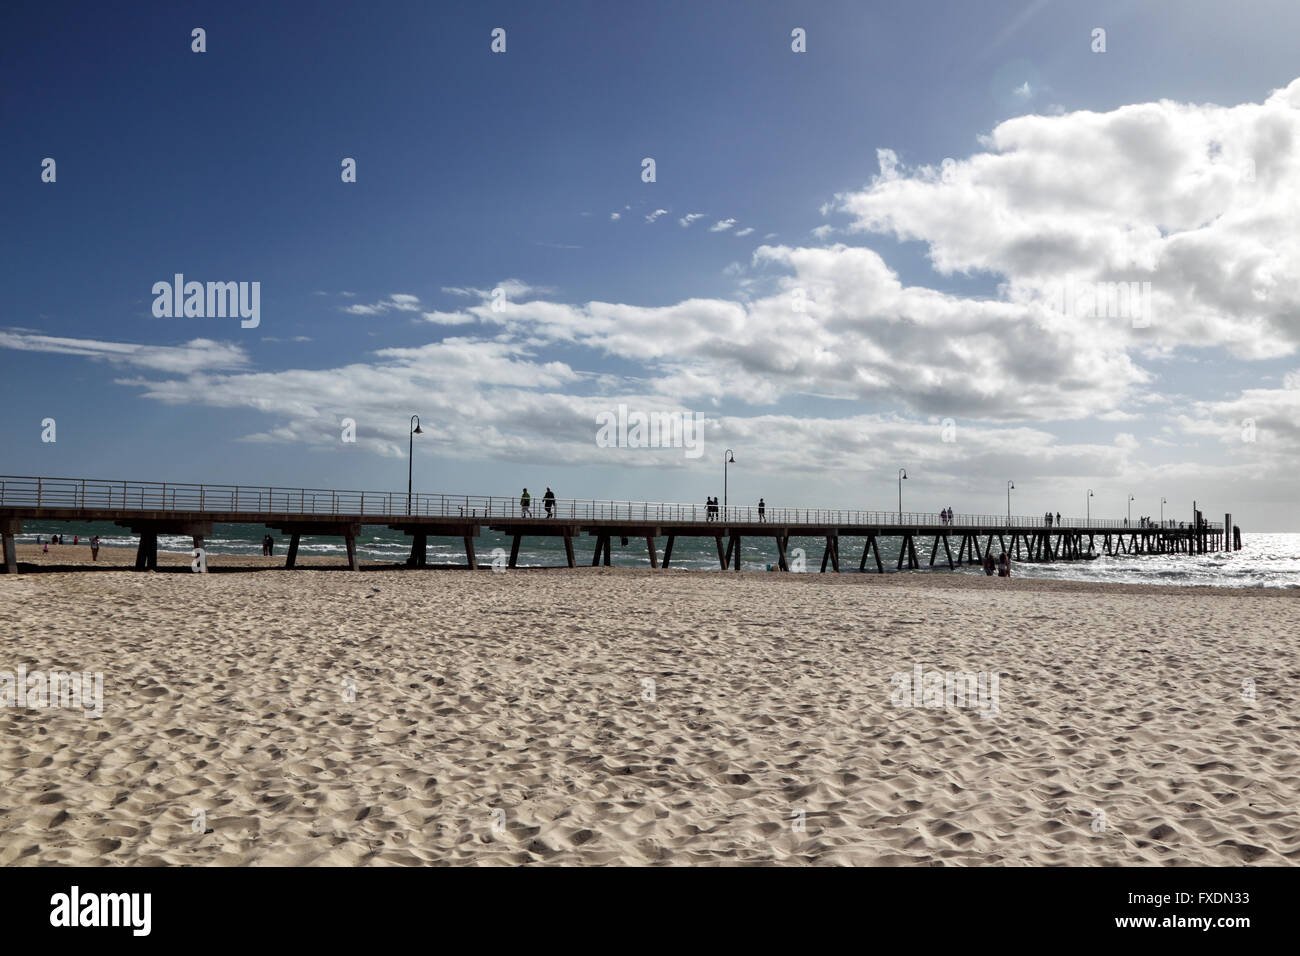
525 504
548 502
762 509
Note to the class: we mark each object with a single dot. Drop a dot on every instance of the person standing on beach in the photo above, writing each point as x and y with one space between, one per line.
525 504
988 563
94 548
762 508
1004 565
548 502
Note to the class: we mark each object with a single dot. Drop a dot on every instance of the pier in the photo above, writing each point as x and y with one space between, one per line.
149 509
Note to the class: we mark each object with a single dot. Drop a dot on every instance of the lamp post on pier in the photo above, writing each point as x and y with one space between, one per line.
1129 521
1088 503
902 476
1011 485
1162 511
728 458
410 461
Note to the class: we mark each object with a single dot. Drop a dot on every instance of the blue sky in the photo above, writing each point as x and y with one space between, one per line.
479 171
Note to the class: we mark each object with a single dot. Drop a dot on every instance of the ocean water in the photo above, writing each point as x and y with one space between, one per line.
1265 560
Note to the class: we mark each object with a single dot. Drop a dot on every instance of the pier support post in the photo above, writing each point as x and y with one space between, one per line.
832 552
146 555
11 555
291 558
419 551
350 542
650 546
735 539
472 559
514 550
934 550
668 550
781 561
568 551
948 551
722 558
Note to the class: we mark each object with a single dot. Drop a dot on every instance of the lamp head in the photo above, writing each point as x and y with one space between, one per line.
418 430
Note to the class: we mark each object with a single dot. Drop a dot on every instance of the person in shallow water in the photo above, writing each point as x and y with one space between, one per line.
1004 565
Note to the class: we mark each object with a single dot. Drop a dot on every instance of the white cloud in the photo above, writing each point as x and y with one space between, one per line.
722 225
196 355
689 218
1198 200
745 232
399 302
656 214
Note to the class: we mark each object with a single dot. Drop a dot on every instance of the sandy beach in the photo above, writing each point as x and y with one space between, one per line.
621 716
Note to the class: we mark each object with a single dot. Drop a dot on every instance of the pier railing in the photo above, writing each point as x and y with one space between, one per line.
88 493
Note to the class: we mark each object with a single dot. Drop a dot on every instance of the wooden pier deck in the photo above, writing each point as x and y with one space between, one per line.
149 509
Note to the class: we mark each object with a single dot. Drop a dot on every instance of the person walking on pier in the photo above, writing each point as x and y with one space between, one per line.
525 504
762 509
548 502
1058 519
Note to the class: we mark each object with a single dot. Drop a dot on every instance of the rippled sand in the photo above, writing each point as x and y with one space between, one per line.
508 718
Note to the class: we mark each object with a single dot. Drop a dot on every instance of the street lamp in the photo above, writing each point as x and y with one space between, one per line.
1131 499
1088 502
1162 511
902 475
728 458
1010 487
410 461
